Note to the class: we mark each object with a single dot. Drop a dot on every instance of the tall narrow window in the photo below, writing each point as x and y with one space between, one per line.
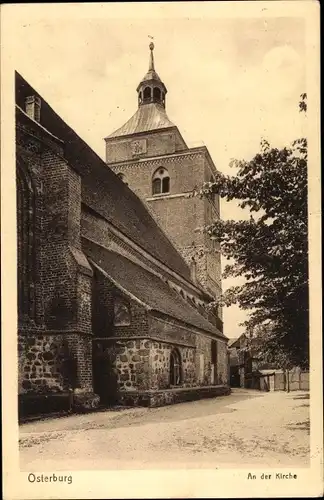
165 184
175 367
161 181
214 352
156 186
156 94
25 243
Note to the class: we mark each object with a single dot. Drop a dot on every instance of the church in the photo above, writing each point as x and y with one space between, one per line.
114 280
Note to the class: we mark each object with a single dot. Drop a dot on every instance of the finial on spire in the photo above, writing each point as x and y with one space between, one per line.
151 65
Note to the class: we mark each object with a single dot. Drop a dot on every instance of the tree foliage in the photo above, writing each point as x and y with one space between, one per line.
270 249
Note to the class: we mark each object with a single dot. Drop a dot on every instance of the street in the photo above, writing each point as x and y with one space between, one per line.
246 428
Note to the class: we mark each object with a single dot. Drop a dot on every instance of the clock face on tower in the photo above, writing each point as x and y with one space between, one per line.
138 147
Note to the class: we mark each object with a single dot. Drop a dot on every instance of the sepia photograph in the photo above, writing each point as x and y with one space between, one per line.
166 308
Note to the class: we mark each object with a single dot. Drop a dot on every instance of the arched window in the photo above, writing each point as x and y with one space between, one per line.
25 243
122 315
175 367
161 181
157 94
147 93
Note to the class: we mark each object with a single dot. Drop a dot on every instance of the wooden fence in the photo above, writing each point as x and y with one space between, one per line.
295 380
278 380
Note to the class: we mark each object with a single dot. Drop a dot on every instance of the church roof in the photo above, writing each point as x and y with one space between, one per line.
149 117
102 190
151 290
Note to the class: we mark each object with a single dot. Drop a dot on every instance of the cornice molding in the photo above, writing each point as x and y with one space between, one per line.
135 135
169 158
186 326
168 196
144 337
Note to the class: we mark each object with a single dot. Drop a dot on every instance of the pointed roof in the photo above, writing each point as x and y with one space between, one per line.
152 116
151 74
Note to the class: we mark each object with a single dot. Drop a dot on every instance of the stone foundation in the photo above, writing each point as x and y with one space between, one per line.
30 405
171 396
84 400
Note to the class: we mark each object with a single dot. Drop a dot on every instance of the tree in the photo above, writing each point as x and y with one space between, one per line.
270 249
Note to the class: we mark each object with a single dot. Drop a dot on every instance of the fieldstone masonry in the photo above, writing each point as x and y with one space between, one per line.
41 358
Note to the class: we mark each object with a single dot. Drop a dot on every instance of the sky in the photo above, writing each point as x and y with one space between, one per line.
230 80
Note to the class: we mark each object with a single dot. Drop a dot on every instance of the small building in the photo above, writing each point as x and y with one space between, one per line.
245 366
248 371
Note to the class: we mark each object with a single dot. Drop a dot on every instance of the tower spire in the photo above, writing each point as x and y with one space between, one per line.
151 64
151 89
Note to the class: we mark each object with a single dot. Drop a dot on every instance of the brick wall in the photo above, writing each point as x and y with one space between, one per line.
222 363
180 216
102 306
186 171
104 295
171 332
29 166
206 373
59 288
55 350
158 143
203 358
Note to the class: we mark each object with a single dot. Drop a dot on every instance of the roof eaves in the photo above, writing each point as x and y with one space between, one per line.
212 331
121 288
145 132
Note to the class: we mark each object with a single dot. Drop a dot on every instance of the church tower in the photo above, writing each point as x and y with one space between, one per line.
150 155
